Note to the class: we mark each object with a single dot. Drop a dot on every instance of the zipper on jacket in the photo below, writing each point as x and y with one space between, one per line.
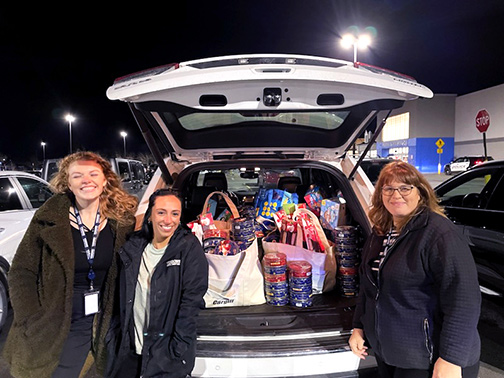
377 285
428 344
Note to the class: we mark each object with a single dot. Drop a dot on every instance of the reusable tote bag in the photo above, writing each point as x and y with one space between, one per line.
233 280
323 263
222 225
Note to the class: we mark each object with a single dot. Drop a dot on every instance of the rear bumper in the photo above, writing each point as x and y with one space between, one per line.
313 354
339 364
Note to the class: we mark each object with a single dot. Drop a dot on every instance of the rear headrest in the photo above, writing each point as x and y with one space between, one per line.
216 180
289 183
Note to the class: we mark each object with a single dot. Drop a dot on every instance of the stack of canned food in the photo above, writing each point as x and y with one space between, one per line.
300 283
212 239
275 278
243 232
348 259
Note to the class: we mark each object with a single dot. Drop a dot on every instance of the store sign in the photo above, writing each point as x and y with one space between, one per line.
482 121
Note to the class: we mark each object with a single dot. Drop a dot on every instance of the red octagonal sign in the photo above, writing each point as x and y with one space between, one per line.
482 121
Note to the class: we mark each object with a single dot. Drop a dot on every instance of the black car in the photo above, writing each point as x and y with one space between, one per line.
474 200
372 167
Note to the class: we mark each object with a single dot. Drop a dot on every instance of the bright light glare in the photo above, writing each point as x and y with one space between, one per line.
124 134
347 41
69 118
42 144
363 41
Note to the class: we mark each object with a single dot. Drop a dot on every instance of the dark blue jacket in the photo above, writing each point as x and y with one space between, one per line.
176 295
426 301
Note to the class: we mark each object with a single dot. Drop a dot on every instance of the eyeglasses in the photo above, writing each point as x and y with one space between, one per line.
403 190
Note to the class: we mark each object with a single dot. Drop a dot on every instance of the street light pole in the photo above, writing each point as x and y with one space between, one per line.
43 144
124 135
70 118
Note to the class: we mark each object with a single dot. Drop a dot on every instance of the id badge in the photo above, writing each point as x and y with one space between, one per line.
91 302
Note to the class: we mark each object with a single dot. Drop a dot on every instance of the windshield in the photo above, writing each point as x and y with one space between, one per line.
322 120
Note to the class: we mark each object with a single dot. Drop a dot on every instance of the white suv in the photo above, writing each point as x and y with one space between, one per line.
251 120
21 194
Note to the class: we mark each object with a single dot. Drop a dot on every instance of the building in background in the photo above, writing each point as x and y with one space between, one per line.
429 133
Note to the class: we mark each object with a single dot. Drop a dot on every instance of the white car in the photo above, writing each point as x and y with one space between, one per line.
241 124
21 194
463 163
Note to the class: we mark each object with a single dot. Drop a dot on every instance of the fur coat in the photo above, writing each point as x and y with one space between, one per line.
41 288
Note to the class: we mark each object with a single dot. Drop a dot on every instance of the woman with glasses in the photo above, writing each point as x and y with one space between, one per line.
419 299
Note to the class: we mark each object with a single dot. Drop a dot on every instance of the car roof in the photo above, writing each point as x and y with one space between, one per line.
21 174
276 104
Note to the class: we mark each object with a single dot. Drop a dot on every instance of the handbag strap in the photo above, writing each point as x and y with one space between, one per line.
229 202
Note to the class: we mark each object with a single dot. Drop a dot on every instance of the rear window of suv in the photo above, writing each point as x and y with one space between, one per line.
322 120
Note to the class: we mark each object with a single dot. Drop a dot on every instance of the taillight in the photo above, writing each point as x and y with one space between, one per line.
477 162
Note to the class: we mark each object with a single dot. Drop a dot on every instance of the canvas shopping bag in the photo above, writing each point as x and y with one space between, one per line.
222 225
235 280
323 263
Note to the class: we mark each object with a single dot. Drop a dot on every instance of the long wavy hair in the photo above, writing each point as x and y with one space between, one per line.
115 202
401 171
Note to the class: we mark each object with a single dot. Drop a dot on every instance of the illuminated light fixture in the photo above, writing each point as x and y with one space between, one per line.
124 134
70 118
357 40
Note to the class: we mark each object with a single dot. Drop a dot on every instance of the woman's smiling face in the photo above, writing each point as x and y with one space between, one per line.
165 217
400 205
86 181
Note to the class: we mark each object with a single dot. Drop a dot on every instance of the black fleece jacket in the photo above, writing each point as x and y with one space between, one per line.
426 301
176 295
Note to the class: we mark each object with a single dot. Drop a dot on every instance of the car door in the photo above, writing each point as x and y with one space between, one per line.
459 165
124 173
19 198
475 202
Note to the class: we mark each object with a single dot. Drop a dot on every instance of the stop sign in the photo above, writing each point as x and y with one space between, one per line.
482 121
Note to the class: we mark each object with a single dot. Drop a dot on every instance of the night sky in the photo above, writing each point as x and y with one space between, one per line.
56 61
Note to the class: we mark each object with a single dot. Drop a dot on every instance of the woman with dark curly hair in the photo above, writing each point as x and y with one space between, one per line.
62 279
419 299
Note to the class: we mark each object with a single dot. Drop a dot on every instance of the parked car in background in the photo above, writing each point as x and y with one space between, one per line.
474 200
373 166
463 163
21 194
49 169
245 123
132 174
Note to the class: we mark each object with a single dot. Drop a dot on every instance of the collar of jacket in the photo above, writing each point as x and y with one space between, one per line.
137 243
418 221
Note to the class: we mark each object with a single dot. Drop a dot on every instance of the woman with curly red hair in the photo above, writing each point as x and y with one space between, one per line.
62 279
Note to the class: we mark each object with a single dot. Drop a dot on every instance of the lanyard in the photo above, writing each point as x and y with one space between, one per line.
90 252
